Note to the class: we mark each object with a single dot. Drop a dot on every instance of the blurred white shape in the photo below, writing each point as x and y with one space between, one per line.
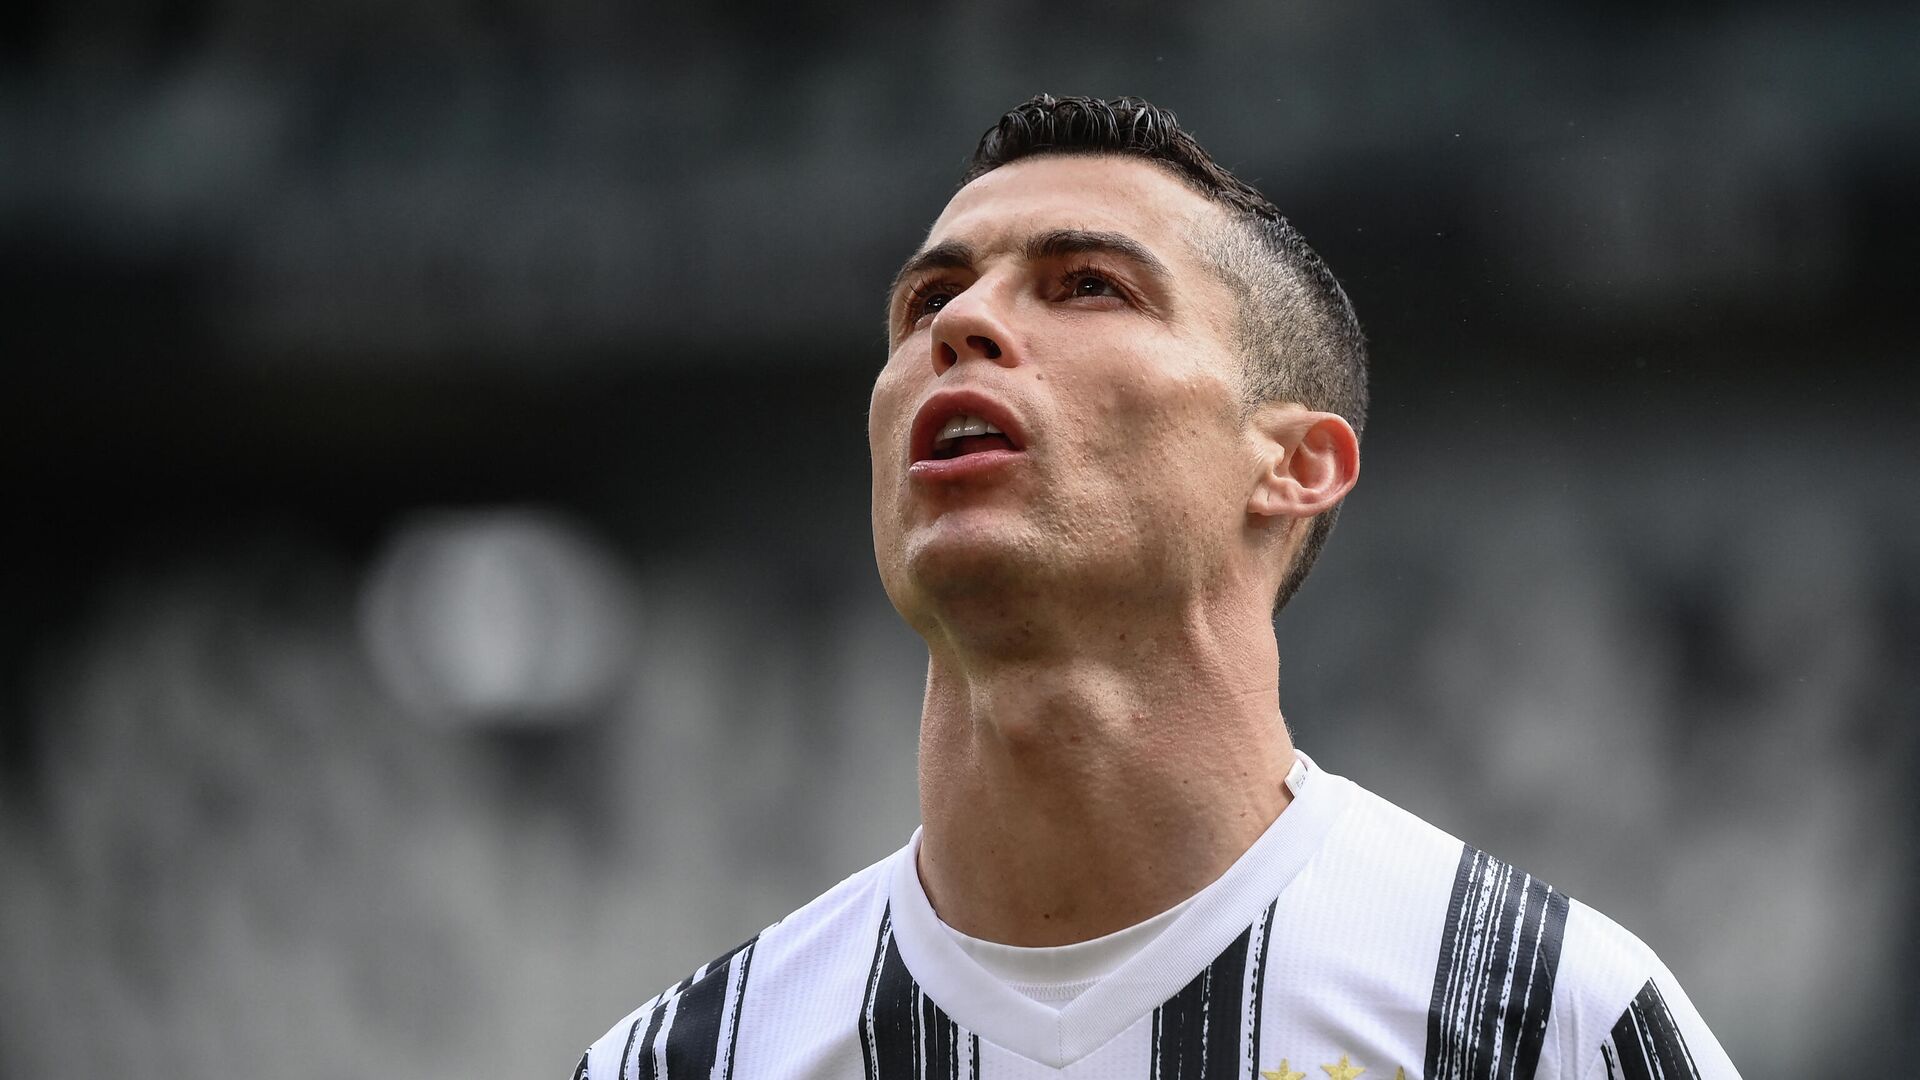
506 617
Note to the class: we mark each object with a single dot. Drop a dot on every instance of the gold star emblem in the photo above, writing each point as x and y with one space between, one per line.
1399 1074
1282 1073
1342 1071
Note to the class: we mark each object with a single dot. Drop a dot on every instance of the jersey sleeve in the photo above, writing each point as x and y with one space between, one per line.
1660 1034
686 1028
1621 1013
603 1060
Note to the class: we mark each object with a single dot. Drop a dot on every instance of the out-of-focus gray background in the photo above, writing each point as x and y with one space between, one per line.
439 608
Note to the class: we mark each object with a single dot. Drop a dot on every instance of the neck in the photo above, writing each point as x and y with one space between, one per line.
1074 793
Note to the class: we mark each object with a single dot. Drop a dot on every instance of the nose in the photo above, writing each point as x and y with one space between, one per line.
970 327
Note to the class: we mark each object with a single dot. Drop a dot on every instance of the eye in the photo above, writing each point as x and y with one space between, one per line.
1086 282
926 300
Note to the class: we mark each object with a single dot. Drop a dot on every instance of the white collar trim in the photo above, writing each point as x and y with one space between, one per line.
1217 915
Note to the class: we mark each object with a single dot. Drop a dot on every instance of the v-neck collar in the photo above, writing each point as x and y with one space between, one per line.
1221 912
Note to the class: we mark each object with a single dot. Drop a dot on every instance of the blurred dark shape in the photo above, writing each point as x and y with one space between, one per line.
443 186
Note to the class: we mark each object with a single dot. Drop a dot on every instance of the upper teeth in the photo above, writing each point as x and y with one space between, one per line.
966 425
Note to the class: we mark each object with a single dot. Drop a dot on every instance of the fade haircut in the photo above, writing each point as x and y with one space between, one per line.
1297 332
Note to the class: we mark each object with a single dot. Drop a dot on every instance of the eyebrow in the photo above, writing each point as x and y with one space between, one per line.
1052 244
945 255
1060 242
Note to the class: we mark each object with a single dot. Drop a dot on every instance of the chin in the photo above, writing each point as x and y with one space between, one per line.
967 558
957 562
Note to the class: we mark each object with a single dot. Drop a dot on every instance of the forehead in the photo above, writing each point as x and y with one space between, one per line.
1107 193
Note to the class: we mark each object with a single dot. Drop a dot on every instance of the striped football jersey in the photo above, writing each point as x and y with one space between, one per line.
1352 939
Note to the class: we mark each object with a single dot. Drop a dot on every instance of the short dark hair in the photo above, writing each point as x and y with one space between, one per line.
1301 339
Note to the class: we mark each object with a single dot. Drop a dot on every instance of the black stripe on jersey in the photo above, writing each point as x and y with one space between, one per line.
739 1003
868 1036
1646 1043
640 1067
580 1070
1493 983
1257 949
1197 1032
903 1034
691 1016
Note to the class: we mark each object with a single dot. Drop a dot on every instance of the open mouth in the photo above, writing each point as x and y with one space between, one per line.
962 423
965 435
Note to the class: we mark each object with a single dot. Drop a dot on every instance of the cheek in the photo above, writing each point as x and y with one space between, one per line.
1160 452
889 414
1154 418
883 414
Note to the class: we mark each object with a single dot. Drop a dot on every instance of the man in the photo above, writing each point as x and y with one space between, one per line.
1122 404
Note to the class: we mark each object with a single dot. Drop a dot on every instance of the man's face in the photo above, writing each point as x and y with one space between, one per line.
1064 302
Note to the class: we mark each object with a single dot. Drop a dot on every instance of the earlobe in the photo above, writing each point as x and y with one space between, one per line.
1310 461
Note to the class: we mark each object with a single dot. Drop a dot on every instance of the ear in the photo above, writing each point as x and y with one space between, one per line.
1308 461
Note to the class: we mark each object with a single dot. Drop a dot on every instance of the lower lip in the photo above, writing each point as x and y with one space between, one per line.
964 467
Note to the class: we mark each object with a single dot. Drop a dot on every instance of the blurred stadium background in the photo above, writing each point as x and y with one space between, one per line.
439 609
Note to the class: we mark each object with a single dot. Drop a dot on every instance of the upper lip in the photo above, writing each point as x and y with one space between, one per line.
947 404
